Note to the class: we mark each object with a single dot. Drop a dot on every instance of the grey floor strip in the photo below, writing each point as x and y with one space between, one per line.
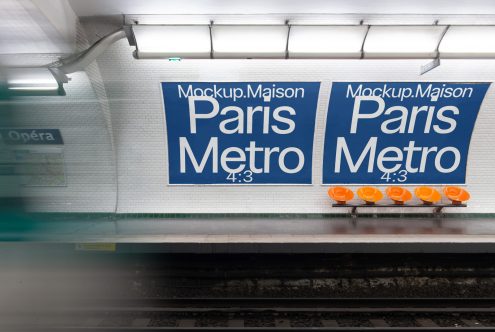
282 323
329 323
236 323
95 321
379 322
472 323
186 322
426 322
141 322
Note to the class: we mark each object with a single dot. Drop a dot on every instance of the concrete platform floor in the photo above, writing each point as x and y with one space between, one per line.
270 234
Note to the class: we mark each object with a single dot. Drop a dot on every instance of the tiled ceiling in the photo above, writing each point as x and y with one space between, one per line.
27 38
20 32
115 7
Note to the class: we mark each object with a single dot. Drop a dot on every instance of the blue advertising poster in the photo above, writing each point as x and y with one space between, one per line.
240 132
400 133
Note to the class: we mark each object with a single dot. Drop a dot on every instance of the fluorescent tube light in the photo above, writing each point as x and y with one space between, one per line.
326 41
468 42
312 41
34 88
403 41
31 79
162 41
253 41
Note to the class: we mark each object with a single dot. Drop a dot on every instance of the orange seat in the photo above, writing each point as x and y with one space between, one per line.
370 195
398 194
340 194
456 194
428 195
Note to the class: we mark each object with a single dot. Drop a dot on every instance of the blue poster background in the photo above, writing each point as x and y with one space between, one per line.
466 97
302 97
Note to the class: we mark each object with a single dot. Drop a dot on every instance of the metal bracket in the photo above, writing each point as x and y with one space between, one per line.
210 26
437 208
435 62
288 37
354 213
364 39
437 212
129 35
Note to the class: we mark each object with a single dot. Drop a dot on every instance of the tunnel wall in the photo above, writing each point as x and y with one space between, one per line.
137 114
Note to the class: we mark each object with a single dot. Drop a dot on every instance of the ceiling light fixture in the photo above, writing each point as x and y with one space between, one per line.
468 42
249 41
317 41
173 41
403 41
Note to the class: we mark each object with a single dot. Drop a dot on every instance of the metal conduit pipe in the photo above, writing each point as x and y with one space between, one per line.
88 56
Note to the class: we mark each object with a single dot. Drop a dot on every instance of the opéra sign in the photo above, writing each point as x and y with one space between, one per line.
15 136
240 133
379 133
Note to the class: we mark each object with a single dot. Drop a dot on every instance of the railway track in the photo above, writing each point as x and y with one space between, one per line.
308 304
273 314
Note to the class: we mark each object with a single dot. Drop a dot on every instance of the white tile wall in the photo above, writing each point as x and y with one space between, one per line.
89 166
135 102
83 118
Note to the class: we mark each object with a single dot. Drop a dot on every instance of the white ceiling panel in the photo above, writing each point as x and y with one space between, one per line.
20 32
113 7
33 32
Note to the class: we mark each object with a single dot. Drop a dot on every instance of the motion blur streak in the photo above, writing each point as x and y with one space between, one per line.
11 203
41 282
43 286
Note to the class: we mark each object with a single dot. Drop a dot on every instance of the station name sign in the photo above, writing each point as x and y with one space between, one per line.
240 132
391 132
13 136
